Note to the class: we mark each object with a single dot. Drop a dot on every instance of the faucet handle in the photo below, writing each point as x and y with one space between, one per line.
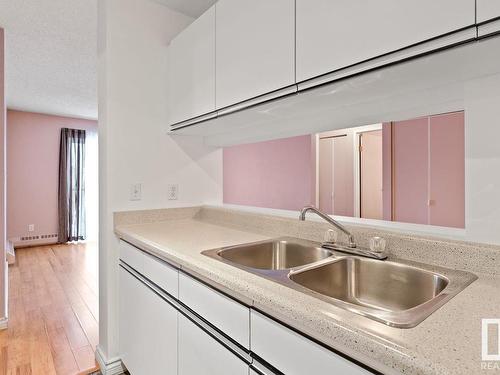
330 236
377 244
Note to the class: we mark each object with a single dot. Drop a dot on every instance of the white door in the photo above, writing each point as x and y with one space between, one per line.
191 70
255 48
335 34
200 354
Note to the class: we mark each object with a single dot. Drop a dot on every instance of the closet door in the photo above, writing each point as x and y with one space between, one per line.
447 170
411 158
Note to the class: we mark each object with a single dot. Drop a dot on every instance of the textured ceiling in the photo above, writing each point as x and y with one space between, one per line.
51 56
192 8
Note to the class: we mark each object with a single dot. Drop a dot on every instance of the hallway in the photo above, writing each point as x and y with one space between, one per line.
53 311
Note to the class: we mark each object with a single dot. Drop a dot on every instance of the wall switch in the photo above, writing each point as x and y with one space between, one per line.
135 192
31 227
172 192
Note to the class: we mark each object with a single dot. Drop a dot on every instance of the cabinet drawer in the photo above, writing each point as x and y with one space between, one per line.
131 255
162 274
227 315
294 354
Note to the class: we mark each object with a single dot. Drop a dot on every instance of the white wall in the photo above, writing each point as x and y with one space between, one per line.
133 36
482 160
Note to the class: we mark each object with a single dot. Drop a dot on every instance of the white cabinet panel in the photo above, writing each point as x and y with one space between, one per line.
335 34
200 354
487 10
255 48
229 316
192 70
148 329
131 333
160 331
294 354
159 272
162 274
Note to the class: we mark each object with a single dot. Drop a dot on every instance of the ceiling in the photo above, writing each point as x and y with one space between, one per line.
51 56
192 8
51 53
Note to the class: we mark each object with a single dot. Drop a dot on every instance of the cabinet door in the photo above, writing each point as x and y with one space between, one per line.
192 70
148 329
160 331
335 34
487 10
130 328
255 48
200 354
293 354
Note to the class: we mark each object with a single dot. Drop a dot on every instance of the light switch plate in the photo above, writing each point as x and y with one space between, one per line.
135 192
31 227
172 192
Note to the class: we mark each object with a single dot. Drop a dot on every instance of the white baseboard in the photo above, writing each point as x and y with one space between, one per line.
4 322
109 366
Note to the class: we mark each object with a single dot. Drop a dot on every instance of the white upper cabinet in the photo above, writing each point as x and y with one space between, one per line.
336 34
255 48
487 10
192 70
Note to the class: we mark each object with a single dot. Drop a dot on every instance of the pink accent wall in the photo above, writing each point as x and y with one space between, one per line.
3 172
33 165
273 174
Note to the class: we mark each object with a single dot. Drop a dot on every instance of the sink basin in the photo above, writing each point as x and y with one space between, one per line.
274 254
379 285
397 293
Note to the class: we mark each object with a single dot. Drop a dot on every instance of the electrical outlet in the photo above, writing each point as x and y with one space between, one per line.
31 227
172 192
135 192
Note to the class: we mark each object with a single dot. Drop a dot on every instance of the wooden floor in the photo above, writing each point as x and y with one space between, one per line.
53 311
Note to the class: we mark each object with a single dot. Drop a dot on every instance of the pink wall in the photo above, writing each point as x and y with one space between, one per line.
33 165
3 231
273 174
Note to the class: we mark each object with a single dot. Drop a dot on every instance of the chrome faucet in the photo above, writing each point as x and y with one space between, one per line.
351 247
333 222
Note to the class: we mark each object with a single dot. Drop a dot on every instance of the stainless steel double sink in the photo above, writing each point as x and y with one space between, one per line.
397 293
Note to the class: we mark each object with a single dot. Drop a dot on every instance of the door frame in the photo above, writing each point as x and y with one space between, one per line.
357 163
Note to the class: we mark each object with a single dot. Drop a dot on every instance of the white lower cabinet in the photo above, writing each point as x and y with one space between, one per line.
200 354
158 333
294 354
148 329
131 303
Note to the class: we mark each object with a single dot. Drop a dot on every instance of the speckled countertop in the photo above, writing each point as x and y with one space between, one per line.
447 342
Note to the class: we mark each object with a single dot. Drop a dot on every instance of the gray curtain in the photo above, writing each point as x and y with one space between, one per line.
72 185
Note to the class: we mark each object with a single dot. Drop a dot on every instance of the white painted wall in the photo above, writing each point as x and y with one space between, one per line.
133 147
482 160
